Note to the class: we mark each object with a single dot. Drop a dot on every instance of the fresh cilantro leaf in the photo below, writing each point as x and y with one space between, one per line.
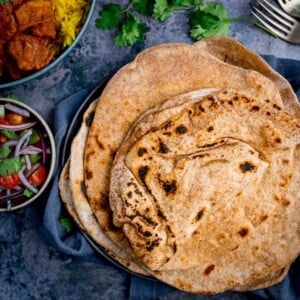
132 31
13 96
4 1
186 3
109 17
144 7
215 9
4 151
9 134
162 10
210 19
10 166
27 193
66 223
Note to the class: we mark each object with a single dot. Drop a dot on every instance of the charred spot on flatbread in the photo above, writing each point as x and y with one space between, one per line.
142 151
243 231
89 119
83 188
209 269
247 167
163 148
181 129
143 173
169 187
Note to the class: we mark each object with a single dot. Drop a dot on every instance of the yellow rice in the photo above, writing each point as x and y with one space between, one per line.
70 14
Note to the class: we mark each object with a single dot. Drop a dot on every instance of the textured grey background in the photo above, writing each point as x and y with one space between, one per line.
29 267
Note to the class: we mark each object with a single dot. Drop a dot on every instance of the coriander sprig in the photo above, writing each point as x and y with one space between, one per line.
4 1
205 19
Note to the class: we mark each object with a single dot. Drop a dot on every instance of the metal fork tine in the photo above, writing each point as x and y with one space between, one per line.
278 26
276 31
275 9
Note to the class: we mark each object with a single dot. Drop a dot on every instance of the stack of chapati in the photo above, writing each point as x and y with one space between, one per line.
190 168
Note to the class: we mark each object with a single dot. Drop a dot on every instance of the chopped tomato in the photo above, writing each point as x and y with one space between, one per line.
10 181
3 121
38 177
3 139
15 119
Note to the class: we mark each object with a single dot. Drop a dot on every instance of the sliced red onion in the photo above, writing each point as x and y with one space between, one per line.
25 182
21 111
17 127
48 151
11 196
28 162
8 192
43 148
21 141
30 150
11 143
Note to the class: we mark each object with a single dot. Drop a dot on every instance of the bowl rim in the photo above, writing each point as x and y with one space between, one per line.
53 152
59 58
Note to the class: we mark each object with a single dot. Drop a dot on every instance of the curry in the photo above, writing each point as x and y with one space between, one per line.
34 32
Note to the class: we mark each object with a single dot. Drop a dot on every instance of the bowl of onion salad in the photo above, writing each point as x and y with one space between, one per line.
27 154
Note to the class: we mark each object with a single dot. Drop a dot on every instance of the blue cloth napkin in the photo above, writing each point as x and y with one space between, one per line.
75 244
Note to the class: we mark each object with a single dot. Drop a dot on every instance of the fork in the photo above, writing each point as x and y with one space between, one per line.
276 20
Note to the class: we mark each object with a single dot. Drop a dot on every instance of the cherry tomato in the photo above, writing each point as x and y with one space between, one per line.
3 121
15 119
38 176
10 181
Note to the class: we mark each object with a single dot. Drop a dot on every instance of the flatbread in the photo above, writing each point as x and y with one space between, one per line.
156 74
65 193
234 53
77 201
165 195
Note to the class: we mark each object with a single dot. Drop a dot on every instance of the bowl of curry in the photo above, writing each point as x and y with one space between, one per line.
35 35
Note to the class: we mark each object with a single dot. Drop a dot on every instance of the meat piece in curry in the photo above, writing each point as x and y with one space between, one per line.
46 29
34 12
28 31
30 53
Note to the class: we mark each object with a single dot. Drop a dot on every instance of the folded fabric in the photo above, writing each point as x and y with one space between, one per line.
75 243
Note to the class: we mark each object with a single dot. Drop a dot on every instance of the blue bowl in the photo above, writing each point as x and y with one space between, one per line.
58 59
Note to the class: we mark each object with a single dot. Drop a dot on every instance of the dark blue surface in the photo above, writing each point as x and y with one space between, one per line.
139 288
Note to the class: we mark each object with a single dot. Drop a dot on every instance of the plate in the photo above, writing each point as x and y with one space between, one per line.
65 153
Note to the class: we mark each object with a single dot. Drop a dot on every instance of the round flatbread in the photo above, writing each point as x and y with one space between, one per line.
205 190
156 74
